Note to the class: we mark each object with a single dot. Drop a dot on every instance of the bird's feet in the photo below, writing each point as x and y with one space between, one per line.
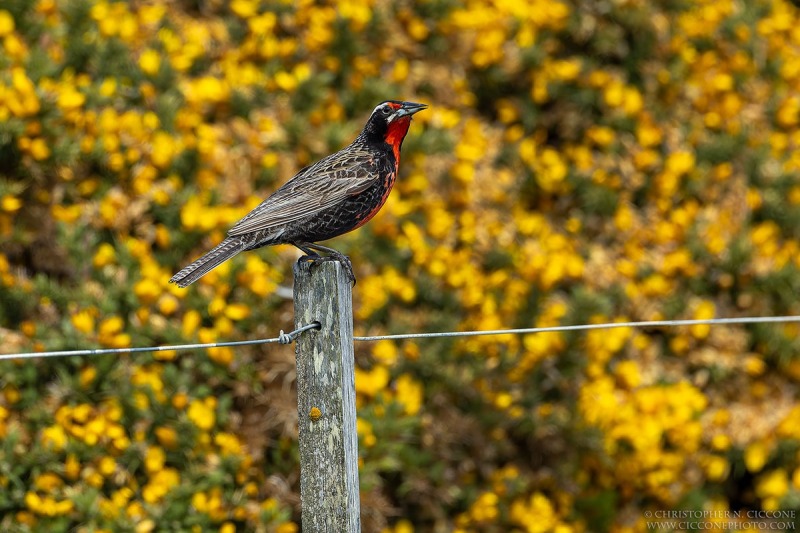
331 255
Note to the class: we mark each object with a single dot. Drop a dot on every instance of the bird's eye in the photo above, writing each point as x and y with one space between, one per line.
386 110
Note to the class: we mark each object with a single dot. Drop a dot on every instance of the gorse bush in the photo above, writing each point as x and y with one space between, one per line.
581 161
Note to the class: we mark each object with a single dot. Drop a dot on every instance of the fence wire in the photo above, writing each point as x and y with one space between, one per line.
282 338
287 338
582 327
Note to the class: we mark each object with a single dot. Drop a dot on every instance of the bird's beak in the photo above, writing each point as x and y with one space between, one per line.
409 108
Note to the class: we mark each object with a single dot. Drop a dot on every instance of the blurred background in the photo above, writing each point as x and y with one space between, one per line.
581 161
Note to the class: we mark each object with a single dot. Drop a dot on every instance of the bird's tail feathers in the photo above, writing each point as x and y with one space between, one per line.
199 268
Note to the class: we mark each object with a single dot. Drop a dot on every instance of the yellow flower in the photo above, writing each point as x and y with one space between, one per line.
228 443
110 326
168 304
503 400
87 376
105 255
55 437
201 413
535 514
221 356
720 442
754 365
285 81
237 311
25 89
72 467
47 506
10 204
773 484
180 401
624 218
83 321
632 101
755 456
161 482
716 468
147 290
47 482
600 135
145 526
680 162
209 503
39 149
371 382
200 501
646 159
210 89
613 95
109 87
484 509
16 48
163 149
463 171
385 351
150 62
358 12
67 214
627 373
192 213
567 69
6 23
788 114
364 430
409 393
167 437
704 311
69 98
154 459
191 323
107 466
245 8
262 24
550 170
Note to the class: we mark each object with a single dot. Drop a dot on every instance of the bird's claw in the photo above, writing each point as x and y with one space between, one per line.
341 258
309 257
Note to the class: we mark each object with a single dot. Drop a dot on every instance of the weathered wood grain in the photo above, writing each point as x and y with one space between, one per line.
326 400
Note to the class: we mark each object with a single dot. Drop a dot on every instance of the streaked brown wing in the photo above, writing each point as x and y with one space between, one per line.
321 185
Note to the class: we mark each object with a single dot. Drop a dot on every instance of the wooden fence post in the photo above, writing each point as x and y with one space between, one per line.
326 400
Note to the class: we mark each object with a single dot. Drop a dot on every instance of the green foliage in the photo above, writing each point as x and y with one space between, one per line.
580 162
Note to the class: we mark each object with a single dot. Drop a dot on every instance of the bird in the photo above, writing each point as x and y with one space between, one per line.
336 195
